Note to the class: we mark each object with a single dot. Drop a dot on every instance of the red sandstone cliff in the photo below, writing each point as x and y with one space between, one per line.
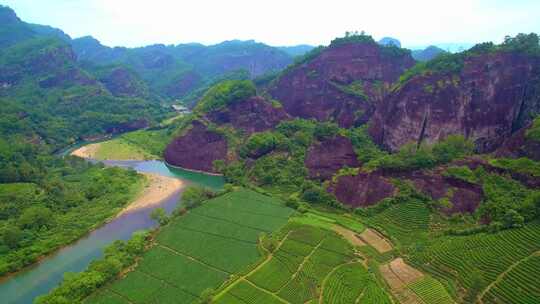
316 89
486 102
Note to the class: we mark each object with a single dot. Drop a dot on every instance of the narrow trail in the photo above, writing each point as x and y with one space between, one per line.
192 259
244 277
120 295
268 292
306 258
504 273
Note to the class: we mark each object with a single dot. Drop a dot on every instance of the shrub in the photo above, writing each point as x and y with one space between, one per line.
225 93
159 215
534 132
412 157
452 147
461 172
260 144
521 165
194 196
512 219
326 130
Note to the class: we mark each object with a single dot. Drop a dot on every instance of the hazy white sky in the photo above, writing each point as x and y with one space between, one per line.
282 22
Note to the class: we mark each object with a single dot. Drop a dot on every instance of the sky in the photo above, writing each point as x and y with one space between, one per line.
415 23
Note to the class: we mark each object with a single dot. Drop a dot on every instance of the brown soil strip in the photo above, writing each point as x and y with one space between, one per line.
376 240
398 275
406 273
349 236
88 151
159 188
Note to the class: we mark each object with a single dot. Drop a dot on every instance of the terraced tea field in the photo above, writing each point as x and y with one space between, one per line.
310 264
199 250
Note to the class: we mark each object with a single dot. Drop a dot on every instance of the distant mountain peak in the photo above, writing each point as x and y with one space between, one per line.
8 16
387 41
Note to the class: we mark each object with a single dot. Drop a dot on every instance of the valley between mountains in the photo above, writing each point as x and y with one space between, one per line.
356 172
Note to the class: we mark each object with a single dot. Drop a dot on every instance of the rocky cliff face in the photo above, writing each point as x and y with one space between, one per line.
366 189
324 159
252 115
196 149
486 101
363 189
123 82
343 83
518 145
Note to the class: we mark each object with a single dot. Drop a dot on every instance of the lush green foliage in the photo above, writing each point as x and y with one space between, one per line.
260 144
76 286
352 37
151 141
505 197
521 165
534 132
365 148
225 93
59 205
193 196
461 172
354 88
53 98
410 156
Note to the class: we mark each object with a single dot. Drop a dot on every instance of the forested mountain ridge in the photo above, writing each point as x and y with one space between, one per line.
184 71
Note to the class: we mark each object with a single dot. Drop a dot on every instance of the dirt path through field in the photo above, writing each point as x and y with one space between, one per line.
87 151
399 275
159 188
244 277
376 240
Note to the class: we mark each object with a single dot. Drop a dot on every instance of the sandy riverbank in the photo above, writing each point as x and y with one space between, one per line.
87 151
159 188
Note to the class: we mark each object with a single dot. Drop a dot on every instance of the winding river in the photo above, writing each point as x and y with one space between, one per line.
40 278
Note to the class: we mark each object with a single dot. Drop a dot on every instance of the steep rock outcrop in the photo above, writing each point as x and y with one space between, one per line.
324 159
463 197
254 114
363 189
486 101
342 83
518 145
123 82
366 189
196 149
